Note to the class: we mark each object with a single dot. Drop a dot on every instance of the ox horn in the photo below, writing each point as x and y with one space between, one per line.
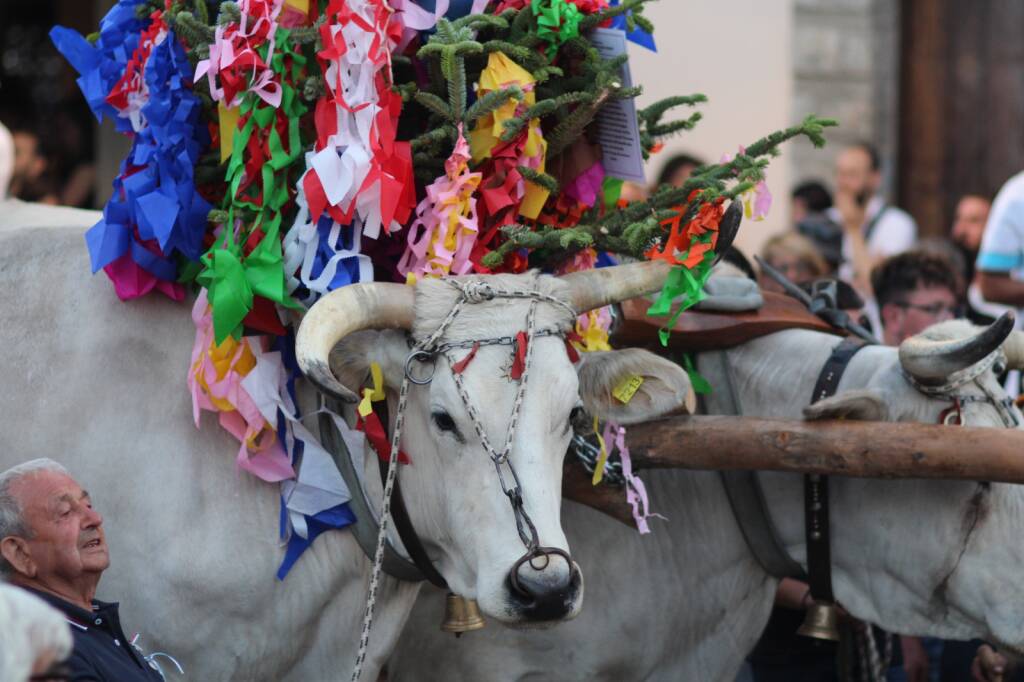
378 305
934 361
590 289
1014 349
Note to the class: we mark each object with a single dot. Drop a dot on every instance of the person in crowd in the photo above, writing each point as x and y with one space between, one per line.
969 221
872 229
1000 263
52 544
34 637
678 170
31 179
914 290
809 198
796 257
6 160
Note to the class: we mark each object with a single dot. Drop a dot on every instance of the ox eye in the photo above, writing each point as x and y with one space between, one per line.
444 421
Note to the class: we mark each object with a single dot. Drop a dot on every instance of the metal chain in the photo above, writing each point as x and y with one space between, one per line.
474 291
588 453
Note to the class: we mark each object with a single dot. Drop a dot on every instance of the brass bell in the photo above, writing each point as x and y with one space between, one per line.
820 622
461 615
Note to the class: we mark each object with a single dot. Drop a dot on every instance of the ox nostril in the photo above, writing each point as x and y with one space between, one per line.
545 572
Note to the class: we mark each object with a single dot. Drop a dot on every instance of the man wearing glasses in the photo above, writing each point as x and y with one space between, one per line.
914 290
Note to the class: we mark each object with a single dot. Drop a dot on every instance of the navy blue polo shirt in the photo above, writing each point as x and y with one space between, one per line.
102 653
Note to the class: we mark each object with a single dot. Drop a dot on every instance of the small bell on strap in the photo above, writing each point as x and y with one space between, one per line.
461 615
820 622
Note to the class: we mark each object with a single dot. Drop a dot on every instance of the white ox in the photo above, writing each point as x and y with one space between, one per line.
100 386
689 601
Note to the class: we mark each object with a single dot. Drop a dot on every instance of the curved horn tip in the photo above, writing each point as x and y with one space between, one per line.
320 374
1002 327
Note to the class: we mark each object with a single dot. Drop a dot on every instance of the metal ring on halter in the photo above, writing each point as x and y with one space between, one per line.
532 554
423 357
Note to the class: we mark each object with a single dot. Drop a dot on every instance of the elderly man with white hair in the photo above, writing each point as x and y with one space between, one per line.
52 545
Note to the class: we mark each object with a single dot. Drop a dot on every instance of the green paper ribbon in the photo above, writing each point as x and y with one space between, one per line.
699 383
611 190
231 278
557 22
686 283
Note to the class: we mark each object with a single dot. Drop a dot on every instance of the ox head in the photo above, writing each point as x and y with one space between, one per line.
934 557
451 488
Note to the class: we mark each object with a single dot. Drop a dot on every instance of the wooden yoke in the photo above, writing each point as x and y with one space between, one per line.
697 330
835 448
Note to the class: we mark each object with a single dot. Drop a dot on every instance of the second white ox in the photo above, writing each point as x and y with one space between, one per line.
99 385
689 601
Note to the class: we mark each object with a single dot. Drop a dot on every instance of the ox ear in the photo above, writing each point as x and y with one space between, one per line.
352 358
665 386
861 405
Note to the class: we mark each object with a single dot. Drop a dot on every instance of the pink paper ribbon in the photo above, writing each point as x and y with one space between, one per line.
636 492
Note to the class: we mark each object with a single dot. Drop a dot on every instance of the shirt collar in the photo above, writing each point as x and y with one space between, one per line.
74 614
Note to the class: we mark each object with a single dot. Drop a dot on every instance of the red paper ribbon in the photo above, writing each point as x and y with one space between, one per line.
519 360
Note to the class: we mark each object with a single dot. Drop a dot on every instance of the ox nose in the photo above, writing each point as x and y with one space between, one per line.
544 584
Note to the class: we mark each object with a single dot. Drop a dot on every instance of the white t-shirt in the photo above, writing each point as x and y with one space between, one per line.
1002 246
894 232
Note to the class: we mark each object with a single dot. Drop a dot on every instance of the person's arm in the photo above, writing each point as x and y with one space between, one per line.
999 287
915 659
1001 253
861 261
793 594
988 665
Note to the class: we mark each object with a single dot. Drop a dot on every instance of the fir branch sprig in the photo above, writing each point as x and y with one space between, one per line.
633 7
634 229
493 101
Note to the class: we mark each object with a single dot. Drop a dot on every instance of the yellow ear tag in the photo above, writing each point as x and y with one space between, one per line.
627 388
372 395
602 458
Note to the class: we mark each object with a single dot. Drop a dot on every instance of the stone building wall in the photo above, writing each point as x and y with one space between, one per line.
846 66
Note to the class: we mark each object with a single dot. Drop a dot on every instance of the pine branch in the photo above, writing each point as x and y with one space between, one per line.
540 179
492 101
593 20
434 104
229 14
433 137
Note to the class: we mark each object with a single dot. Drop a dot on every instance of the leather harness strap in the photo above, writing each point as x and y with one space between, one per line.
742 488
816 505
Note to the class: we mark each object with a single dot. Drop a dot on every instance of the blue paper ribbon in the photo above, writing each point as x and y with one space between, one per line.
637 35
155 191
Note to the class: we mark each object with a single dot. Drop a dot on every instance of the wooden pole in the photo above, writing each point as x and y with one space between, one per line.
841 448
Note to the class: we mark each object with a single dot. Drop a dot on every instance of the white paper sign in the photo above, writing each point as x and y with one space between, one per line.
618 130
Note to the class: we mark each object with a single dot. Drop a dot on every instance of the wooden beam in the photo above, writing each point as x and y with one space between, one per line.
841 448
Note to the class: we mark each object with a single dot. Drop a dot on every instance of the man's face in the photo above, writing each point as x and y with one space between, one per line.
67 533
915 311
854 175
27 162
969 222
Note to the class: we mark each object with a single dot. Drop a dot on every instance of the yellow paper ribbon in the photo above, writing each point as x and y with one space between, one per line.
228 122
602 458
372 395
